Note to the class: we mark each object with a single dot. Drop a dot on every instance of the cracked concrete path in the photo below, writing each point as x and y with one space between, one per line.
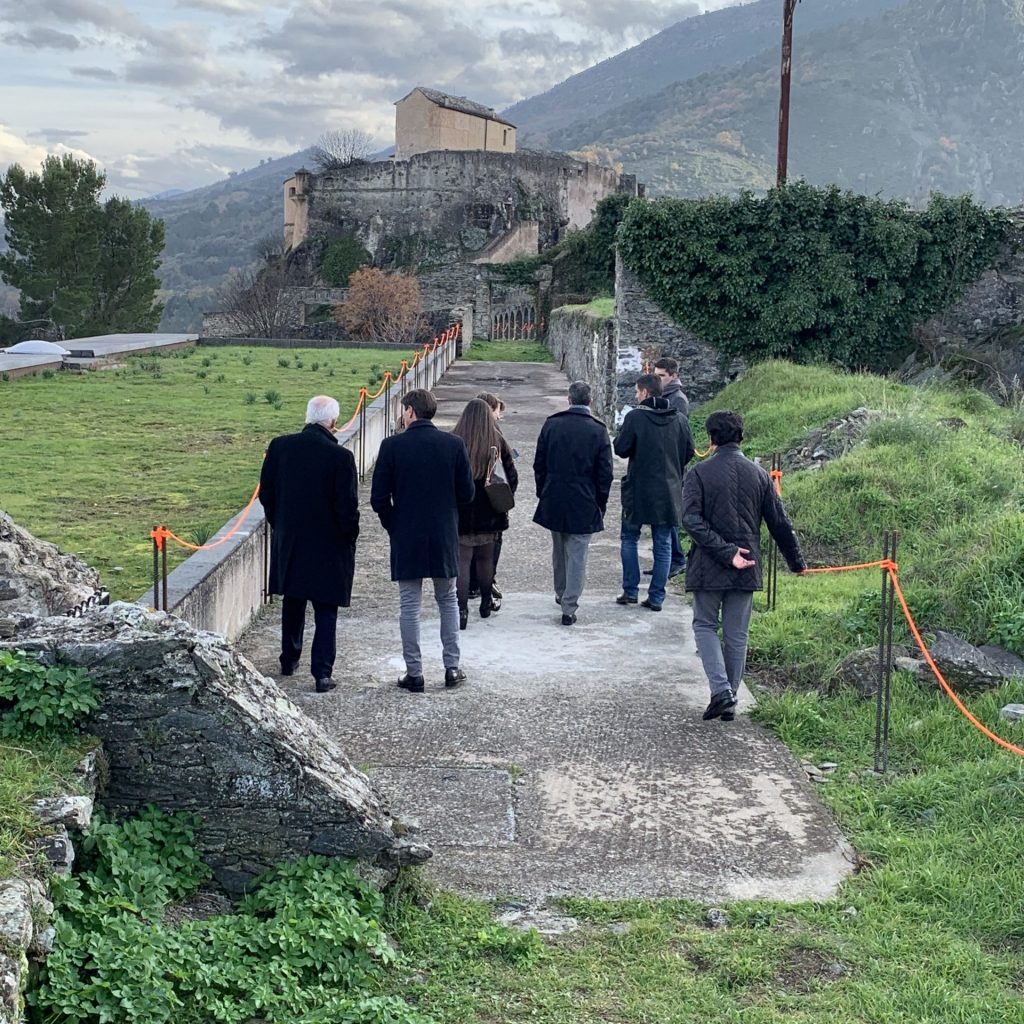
574 761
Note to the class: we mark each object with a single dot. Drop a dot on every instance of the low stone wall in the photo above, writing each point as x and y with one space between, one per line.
222 589
642 325
584 347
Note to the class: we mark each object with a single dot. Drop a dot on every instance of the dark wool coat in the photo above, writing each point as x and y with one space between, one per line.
421 477
724 502
309 492
657 442
478 516
573 471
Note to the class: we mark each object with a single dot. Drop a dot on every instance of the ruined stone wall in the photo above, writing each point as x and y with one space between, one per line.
643 326
584 346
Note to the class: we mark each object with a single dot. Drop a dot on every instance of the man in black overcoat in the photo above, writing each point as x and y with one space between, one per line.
657 442
309 492
725 500
573 471
421 477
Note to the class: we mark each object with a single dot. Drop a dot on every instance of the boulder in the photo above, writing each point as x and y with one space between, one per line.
188 724
860 669
1008 663
37 579
73 812
966 668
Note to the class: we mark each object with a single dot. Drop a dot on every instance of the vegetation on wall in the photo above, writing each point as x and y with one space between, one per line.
342 257
808 273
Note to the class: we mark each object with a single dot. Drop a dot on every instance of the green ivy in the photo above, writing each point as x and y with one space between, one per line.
37 699
341 259
808 274
305 946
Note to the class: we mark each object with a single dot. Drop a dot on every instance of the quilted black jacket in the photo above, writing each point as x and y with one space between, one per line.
724 501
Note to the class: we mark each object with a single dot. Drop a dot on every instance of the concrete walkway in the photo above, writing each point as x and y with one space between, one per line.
574 761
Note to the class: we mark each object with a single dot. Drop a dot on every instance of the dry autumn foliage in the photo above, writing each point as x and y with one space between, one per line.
381 307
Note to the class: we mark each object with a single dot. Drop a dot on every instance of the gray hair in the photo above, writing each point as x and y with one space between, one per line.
579 393
323 410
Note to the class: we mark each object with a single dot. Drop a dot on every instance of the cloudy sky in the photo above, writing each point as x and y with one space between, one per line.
175 93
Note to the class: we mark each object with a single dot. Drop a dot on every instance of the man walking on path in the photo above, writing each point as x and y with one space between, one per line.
725 500
667 371
421 477
573 471
309 493
657 442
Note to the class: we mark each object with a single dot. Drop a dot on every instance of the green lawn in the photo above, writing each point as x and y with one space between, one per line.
509 351
94 461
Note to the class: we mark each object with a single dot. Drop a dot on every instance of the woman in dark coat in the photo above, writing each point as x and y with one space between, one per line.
480 526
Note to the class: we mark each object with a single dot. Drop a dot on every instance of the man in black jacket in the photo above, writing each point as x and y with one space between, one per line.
309 493
573 472
421 477
657 442
725 500
667 371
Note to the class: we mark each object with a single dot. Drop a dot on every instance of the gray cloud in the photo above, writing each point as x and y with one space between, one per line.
110 16
100 74
43 39
58 134
228 7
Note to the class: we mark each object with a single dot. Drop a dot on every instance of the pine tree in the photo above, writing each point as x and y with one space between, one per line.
85 267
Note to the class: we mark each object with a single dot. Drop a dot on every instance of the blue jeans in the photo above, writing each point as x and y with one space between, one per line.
678 563
662 538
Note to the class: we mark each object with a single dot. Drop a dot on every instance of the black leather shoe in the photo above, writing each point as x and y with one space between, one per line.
720 704
414 684
325 685
452 677
463 617
485 607
728 716
568 620
289 670
646 603
676 570
624 598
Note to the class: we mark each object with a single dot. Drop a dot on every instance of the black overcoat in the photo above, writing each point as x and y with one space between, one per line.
478 516
421 477
724 501
657 442
572 468
310 495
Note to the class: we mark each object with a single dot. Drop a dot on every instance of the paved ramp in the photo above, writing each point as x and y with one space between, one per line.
574 761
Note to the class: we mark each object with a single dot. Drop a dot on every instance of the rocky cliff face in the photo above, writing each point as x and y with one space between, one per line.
187 724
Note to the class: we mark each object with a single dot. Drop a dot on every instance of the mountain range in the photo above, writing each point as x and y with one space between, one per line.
898 97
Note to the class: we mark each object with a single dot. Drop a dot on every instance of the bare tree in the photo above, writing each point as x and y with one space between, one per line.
341 147
255 302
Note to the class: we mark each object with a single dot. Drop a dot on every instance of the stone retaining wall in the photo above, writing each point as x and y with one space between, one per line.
583 345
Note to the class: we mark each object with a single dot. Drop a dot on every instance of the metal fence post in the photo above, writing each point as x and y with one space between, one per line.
883 695
387 404
156 570
362 437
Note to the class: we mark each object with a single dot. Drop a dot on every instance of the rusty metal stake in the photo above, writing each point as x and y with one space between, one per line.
883 695
156 575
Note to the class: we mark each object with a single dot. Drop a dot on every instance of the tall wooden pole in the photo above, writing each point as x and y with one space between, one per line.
789 6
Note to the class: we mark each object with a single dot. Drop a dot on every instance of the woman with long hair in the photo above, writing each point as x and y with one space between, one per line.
480 526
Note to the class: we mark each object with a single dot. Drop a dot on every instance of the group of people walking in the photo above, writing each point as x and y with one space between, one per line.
443 498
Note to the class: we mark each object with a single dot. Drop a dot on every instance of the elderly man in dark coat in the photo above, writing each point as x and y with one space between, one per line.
309 492
421 477
573 471
725 500
657 442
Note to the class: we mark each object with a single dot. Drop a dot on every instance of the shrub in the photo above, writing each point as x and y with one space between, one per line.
382 308
341 259
36 698
246 360
250 398
272 396
201 374
284 362
219 379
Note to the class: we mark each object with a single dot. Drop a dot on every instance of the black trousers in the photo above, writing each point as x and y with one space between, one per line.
293 625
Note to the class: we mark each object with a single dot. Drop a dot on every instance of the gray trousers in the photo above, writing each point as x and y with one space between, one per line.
569 561
410 598
724 660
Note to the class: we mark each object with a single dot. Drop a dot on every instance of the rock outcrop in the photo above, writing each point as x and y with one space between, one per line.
189 725
37 579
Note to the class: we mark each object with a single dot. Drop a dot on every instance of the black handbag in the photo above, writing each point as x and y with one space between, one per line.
496 486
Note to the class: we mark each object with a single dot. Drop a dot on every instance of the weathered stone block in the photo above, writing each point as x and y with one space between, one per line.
189 725
15 914
74 812
966 669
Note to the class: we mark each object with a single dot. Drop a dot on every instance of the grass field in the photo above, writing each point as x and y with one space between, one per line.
94 461
510 351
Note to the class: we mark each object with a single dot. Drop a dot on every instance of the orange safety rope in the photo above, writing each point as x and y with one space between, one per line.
161 534
776 475
892 568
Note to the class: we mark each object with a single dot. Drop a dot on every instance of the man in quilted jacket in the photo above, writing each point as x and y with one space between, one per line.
725 500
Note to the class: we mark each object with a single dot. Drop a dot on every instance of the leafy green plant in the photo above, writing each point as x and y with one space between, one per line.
246 360
219 379
284 362
272 396
250 398
342 257
202 533
38 698
201 374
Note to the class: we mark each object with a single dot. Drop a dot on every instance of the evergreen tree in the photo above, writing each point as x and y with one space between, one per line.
88 268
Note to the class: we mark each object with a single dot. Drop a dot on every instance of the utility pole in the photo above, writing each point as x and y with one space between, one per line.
789 6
